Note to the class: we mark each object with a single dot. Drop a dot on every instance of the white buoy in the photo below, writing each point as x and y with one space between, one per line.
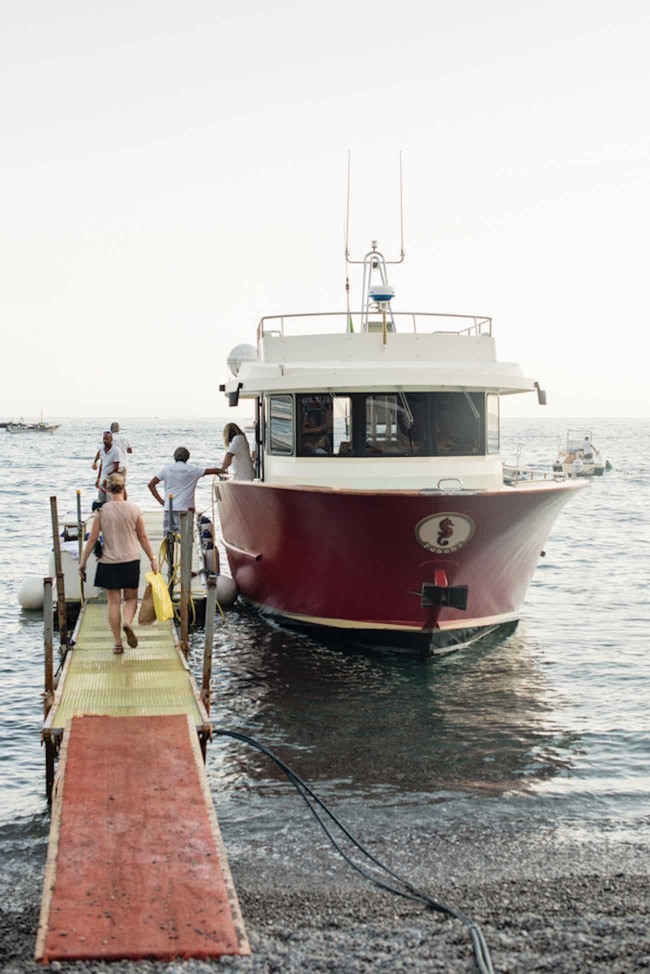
226 591
30 592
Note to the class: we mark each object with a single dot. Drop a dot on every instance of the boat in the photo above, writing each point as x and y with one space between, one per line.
580 458
40 427
379 513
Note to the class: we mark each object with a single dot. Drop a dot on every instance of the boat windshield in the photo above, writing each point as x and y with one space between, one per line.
395 424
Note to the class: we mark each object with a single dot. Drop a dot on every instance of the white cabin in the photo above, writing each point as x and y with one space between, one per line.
407 403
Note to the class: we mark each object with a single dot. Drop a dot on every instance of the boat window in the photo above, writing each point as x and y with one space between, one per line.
457 423
280 425
315 425
396 425
492 411
342 426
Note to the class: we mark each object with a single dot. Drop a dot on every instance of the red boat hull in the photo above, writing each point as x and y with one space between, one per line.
352 560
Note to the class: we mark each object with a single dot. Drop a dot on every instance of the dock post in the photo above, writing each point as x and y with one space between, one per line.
210 612
48 696
60 585
169 539
80 538
186 577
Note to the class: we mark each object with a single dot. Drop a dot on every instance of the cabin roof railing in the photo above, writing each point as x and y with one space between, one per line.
341 322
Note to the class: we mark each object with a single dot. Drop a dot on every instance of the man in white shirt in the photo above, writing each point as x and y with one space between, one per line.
111 460
121 442
587 449
180 479
120 439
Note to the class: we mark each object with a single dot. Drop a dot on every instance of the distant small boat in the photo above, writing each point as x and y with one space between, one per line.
249 426
580 458
40 427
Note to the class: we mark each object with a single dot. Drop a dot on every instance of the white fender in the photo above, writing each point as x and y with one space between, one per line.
227 591
30 593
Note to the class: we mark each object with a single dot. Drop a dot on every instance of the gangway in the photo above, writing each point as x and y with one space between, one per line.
136 866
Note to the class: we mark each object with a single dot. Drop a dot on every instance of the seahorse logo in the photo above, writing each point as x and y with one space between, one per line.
446 530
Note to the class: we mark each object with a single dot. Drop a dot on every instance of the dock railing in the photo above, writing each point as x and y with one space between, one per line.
340 322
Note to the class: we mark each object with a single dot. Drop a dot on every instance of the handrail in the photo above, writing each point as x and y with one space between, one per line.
514 474
482 325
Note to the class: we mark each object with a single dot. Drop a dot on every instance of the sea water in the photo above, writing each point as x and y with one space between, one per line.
548 728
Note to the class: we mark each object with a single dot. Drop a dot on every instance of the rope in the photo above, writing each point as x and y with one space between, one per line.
402 887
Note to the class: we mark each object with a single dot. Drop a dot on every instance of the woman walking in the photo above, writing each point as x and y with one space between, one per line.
237 453
118 568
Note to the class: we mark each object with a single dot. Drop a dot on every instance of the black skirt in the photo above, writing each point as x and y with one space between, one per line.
118 575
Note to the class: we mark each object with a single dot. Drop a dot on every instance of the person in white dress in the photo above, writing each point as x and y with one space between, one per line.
238 454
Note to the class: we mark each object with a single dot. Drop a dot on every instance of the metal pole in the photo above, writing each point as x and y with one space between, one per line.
170 546
210 612
80 539
60 585
186 577
48 640
383 324
48 696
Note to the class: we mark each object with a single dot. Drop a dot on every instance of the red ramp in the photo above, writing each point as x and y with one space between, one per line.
136 866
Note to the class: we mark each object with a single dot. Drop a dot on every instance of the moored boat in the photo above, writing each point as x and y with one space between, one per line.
40 427
379 511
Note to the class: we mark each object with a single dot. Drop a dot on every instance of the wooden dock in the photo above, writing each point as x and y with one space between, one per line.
136 866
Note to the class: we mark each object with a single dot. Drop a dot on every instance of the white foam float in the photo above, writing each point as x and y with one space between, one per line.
30 593
227 591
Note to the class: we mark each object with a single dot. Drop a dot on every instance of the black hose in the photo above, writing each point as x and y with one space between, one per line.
403 888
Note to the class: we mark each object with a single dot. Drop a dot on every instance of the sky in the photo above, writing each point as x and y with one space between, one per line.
173 172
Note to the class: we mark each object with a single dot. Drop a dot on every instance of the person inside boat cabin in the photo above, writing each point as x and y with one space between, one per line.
111 460
180 479
238 453
316 425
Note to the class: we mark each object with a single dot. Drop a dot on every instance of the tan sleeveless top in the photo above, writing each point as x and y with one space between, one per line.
117 520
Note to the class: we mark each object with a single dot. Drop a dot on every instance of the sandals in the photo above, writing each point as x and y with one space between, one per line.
131 637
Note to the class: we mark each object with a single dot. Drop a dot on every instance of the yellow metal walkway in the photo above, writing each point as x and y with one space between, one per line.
151 680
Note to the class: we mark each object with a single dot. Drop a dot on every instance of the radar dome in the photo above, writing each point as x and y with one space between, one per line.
239 354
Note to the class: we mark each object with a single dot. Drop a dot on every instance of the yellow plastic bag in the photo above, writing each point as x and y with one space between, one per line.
161 600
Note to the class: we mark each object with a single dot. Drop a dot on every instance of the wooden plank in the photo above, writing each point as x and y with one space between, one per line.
52 850
136 866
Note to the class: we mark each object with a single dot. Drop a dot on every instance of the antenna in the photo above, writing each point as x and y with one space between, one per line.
401 216
401 209
347 211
